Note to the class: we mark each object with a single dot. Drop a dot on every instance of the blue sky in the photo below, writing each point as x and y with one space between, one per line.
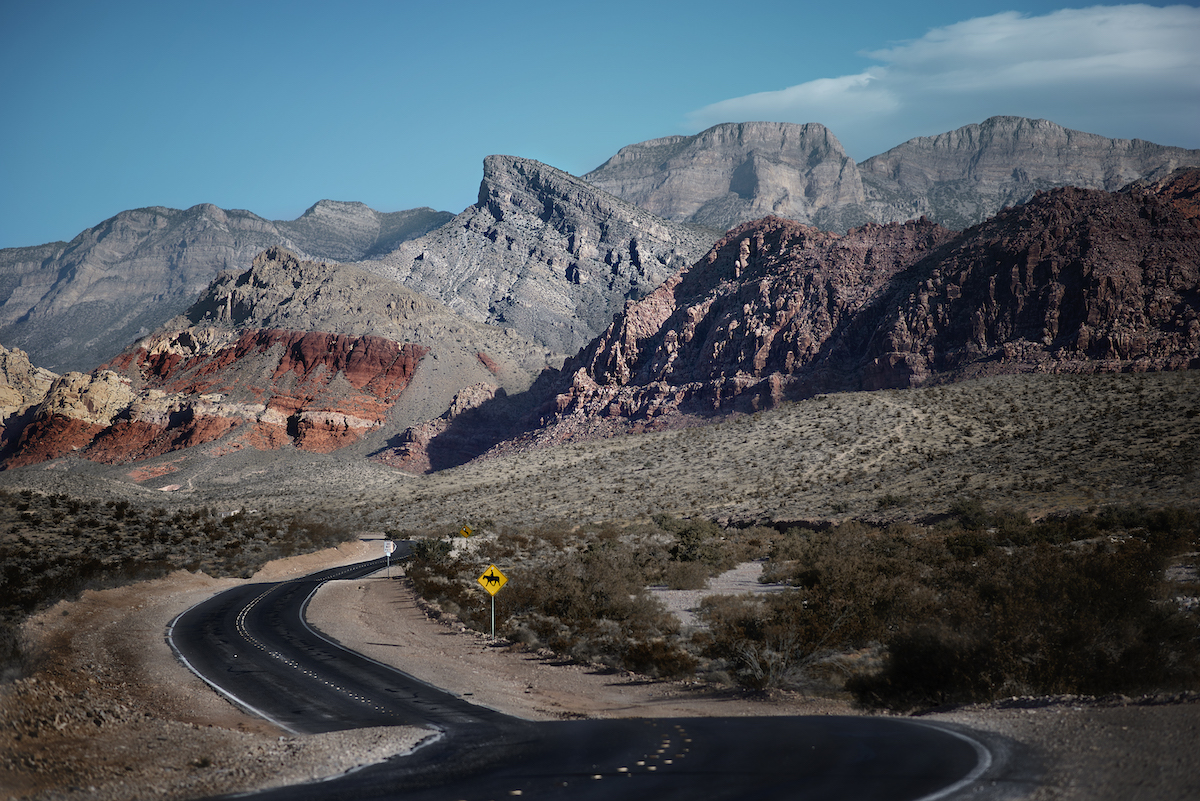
272 106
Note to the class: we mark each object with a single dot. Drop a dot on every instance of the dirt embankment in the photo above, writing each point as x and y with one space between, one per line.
110 714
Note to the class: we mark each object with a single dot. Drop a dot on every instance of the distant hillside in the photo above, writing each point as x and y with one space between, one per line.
736 172
963 177
72 305
1075 281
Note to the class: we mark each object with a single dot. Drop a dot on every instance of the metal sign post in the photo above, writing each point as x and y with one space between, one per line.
492 580
389 547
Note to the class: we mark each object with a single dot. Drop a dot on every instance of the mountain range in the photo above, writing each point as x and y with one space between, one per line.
543 252
446 336
736 172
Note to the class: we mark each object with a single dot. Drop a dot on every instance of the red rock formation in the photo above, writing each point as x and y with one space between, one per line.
1075 280
52 437
1181 189
314 390
764 304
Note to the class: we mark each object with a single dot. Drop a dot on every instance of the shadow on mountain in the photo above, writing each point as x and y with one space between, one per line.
455 439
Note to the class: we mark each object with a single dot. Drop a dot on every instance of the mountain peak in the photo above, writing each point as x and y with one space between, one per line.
545 253
735 172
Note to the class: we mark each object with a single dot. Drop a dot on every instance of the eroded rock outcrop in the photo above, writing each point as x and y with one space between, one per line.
22 385
545 254
316 391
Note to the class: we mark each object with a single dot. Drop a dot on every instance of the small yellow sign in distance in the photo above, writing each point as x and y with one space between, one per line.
492 580
466 531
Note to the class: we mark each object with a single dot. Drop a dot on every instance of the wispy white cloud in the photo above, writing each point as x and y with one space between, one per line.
1127 71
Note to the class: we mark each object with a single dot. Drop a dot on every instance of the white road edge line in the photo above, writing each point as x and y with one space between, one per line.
981 767
221 690
317 633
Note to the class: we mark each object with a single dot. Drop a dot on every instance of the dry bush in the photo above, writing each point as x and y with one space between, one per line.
981 607
579 591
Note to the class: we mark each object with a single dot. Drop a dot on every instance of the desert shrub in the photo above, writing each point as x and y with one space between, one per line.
659 658
970 513
685 575
428 549
971 613
777 640
1043 620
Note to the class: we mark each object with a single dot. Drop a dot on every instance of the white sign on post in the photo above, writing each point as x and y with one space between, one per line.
389 548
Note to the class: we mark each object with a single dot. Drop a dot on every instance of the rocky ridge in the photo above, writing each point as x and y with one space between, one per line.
962 177
736 172
1075 281
74 305
543 253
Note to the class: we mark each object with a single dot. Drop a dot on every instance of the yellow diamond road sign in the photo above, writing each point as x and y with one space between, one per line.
492 580
466 531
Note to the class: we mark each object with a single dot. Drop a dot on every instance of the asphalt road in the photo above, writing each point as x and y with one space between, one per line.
253 646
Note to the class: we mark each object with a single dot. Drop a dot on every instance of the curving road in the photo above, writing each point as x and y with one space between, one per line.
253 645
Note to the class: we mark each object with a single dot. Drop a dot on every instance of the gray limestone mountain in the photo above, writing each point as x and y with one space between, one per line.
967 175
72 305
735 172
544 253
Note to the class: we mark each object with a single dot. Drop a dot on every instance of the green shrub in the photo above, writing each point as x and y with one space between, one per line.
432 550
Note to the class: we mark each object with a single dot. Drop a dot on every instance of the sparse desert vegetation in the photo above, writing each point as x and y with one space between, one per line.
55 546
979 606
913 525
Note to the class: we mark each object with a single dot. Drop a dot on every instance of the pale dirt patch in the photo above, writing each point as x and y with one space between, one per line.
738 581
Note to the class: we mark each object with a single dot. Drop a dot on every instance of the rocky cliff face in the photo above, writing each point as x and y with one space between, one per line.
21 384
244 368
543 253
965 176
73 305
1076 280
22 388
316 391
1181 189
736 172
